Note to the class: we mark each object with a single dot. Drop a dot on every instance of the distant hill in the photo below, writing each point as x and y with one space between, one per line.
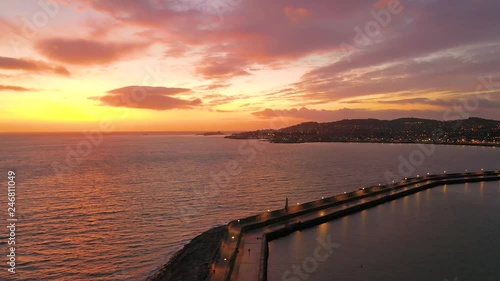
475 131
218 133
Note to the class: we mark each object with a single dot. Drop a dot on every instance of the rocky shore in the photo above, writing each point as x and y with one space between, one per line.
193 262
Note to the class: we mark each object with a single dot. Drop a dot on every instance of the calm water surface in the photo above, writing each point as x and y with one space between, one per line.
445 233
120 211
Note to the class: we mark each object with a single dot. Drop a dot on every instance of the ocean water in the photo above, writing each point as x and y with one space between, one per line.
118 208
445 233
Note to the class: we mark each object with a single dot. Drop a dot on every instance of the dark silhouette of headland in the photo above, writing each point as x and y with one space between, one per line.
218 133
472 131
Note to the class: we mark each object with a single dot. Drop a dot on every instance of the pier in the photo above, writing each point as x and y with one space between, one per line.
245 250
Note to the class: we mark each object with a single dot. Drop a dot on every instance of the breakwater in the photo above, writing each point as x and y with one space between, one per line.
242 254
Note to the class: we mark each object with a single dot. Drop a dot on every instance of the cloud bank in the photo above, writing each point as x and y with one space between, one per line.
145 97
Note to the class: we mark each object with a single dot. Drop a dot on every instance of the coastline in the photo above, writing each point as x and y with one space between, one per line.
471 131
409 142
379 142
194 261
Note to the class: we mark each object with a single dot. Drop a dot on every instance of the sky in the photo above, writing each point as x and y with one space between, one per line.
203 65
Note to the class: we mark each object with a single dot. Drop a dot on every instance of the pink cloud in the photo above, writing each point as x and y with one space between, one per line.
425 48
214 86
149 90
30 65
144 97
297 14
85 51
251 32
221 68
340 114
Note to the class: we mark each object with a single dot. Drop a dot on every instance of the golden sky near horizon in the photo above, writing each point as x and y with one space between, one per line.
181 65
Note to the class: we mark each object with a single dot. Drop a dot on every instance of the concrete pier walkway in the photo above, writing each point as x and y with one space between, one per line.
244 253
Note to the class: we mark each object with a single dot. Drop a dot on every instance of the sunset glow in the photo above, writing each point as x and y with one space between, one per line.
182 65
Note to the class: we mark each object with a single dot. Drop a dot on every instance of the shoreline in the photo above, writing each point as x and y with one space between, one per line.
194 261
379 142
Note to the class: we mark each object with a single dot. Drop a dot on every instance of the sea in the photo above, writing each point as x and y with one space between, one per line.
447 233
118 206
